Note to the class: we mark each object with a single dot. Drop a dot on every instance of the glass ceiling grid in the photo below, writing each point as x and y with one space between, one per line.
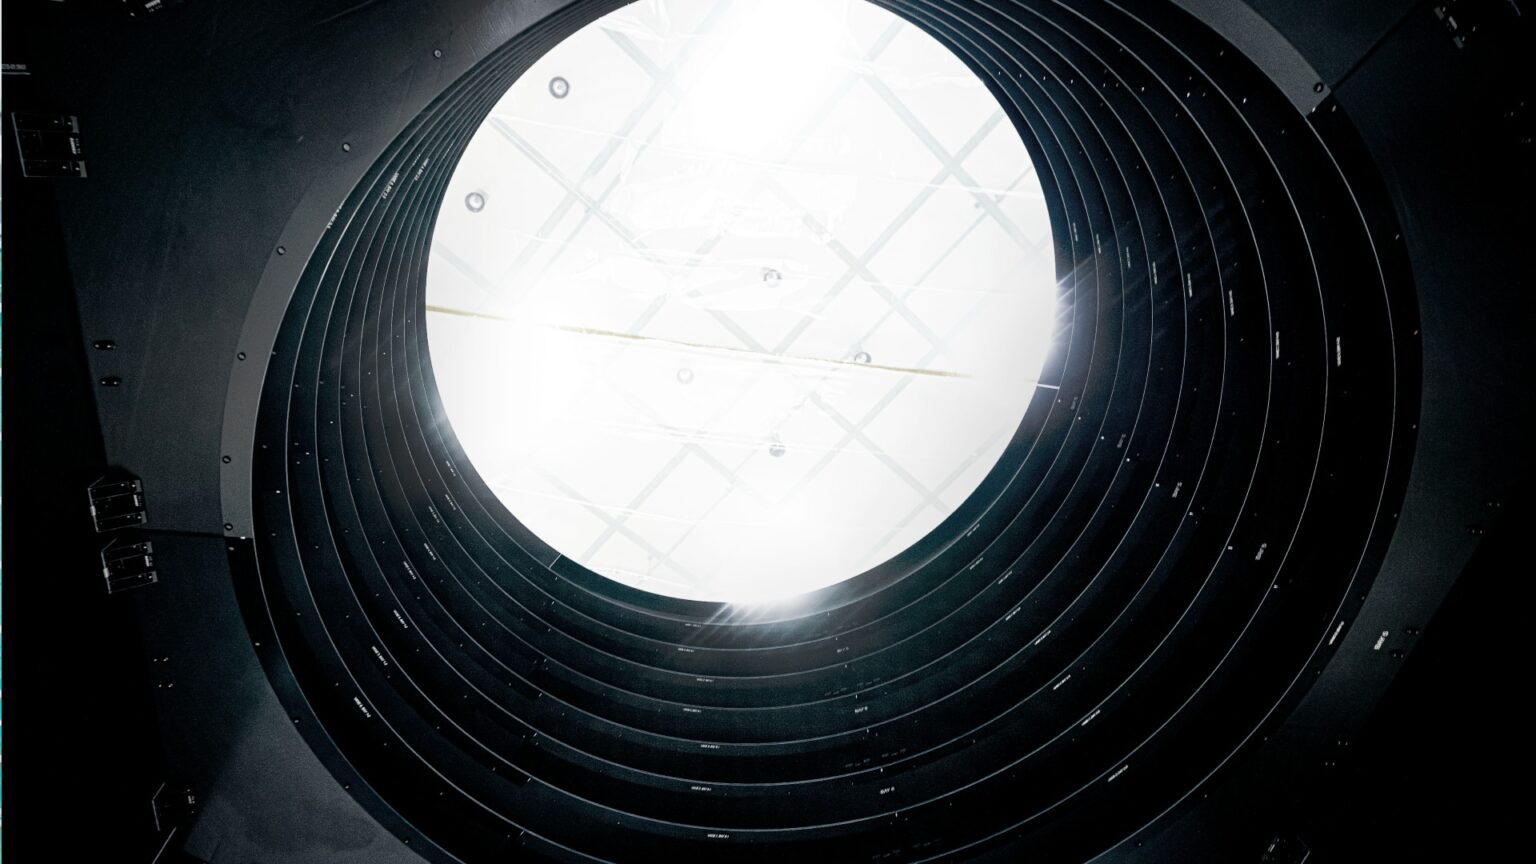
593 209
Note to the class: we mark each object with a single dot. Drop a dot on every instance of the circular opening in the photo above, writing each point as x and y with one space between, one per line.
746 305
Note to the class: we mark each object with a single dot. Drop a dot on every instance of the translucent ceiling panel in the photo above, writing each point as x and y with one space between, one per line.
735 299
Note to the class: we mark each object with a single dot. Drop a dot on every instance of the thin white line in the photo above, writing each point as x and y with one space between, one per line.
165 844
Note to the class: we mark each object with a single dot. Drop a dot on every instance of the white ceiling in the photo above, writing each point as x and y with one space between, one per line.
750 309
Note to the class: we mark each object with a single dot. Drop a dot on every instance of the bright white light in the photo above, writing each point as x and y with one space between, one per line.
757 302
767 66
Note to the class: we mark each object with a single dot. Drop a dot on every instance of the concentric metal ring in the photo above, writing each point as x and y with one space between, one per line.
1153 569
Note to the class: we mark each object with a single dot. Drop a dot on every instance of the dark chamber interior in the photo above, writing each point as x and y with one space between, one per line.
1164 589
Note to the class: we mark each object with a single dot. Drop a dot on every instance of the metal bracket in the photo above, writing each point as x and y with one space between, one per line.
128 566
172 805
49 144
117 502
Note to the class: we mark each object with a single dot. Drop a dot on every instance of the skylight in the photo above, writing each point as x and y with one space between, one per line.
736 299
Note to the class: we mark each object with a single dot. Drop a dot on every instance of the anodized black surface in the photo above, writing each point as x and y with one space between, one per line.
88 703
173 243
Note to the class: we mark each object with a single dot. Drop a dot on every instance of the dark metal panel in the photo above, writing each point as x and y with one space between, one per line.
79 716
1432 116
1266 46
263 794
198 177
1333 36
